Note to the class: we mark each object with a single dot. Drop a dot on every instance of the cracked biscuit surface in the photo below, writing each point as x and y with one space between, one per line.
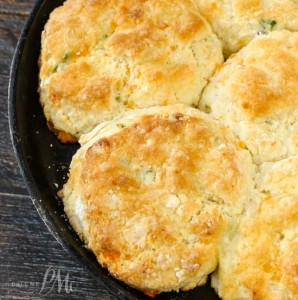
255 95
237 22
152 192
259 259
101 57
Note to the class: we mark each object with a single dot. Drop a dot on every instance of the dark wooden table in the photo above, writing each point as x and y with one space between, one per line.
29 255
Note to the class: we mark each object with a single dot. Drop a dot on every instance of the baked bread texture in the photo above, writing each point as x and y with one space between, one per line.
255 95
237 22
259 259
151 193
165 194
101 58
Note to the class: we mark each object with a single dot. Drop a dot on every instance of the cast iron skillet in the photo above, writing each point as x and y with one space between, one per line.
44 161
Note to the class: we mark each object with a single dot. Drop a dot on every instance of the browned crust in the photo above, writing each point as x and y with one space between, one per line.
141 184
120 55
62 136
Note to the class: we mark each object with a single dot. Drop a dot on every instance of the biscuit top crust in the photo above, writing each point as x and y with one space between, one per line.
273 230
156 187
131 28
169 151
255 94
262 261
266 82
100 58
237 22
263 77
266 254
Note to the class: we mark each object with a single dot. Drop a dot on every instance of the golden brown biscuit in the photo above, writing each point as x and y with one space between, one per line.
151 192
255 95
100 58
236 22
259 260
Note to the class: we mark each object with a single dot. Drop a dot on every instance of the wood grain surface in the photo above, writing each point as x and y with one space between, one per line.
29 255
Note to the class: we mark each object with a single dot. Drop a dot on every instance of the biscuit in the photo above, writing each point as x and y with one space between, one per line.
101 58
151 193
237 22
255 95
259 260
